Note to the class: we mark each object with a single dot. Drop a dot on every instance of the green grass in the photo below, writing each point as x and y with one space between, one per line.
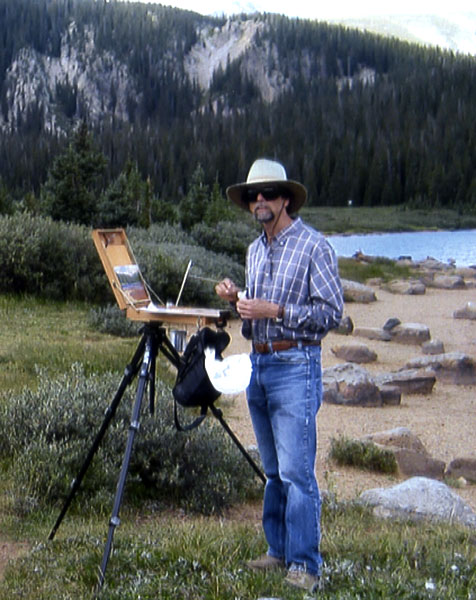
52 335
176 557
171 555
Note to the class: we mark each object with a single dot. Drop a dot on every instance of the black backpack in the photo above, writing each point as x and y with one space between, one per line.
192 386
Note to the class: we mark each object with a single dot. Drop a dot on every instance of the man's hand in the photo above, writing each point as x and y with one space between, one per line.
227 290
257 309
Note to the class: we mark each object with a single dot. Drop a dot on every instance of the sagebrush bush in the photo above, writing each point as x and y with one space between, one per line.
230 238
366 455
45 436
110 319
49 258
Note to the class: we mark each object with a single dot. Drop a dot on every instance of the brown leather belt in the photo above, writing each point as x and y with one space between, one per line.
280 345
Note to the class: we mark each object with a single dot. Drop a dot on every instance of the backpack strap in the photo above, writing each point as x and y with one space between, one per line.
195 423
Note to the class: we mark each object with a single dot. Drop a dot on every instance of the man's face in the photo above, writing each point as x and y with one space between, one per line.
266 205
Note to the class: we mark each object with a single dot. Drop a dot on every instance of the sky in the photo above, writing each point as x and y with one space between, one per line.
335 9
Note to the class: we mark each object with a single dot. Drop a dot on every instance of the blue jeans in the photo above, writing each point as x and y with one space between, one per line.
284 396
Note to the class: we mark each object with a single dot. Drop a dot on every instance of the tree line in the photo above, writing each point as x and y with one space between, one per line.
403 135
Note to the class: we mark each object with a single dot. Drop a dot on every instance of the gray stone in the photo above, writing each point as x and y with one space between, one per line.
467 312
452 367
390 394
433 347
410 287
410 333
373 333
410 454
346 326
462 467
408 381
356 353
350 384
448 282
391 323
419 498
357 292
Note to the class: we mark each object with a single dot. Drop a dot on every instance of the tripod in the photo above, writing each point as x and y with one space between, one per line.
154 339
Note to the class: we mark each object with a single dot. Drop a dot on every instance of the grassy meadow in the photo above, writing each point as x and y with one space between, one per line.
166 553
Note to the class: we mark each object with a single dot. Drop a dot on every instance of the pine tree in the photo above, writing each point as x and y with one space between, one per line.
74 181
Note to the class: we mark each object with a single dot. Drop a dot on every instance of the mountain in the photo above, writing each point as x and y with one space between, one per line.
355 115
452 28
455 31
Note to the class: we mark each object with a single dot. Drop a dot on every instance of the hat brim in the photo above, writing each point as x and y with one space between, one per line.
297 191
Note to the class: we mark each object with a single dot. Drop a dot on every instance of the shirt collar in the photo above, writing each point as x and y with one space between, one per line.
283 234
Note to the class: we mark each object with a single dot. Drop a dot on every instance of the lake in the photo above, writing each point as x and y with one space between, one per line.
459 246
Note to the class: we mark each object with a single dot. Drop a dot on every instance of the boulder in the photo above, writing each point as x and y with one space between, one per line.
351 385
410 454
448 282
462 467
373 333
391 323
467 312
346 326
356 353
433 347
410 333
419 498
390 394
357 292
410 287
452 367
408 381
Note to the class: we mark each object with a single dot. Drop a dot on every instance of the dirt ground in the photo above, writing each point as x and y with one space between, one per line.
444 421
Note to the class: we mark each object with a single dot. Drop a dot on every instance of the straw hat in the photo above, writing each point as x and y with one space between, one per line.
264 173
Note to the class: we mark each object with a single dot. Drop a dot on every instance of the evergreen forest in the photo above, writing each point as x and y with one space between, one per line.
404 134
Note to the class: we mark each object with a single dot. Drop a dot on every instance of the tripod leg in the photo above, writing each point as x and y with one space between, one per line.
129 374
219 415
149 358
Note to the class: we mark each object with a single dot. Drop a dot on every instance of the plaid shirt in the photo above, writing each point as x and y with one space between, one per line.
298 270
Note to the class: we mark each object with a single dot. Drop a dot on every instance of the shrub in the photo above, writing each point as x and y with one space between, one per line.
45 435
365 455
230 238
110 319
50 259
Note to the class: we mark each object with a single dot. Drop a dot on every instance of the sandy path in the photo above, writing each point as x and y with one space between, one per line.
445 420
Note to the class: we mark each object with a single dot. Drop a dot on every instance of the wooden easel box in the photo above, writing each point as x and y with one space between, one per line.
115 252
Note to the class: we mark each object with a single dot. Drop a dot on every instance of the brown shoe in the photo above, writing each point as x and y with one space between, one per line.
265 563
303 580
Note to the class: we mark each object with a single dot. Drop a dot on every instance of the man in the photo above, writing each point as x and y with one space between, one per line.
293 297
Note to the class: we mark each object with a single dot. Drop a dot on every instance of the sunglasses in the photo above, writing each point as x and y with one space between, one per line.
268 193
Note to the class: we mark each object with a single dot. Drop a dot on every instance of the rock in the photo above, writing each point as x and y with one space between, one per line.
409 452
346 326
452 367
419 498
433 347
391 323
356 353
448 282
390 394
409 287
400 437
357 292
462 467
410 333
373 333
351 385
409 381
467 312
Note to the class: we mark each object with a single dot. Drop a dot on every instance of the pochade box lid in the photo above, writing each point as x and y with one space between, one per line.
130 289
